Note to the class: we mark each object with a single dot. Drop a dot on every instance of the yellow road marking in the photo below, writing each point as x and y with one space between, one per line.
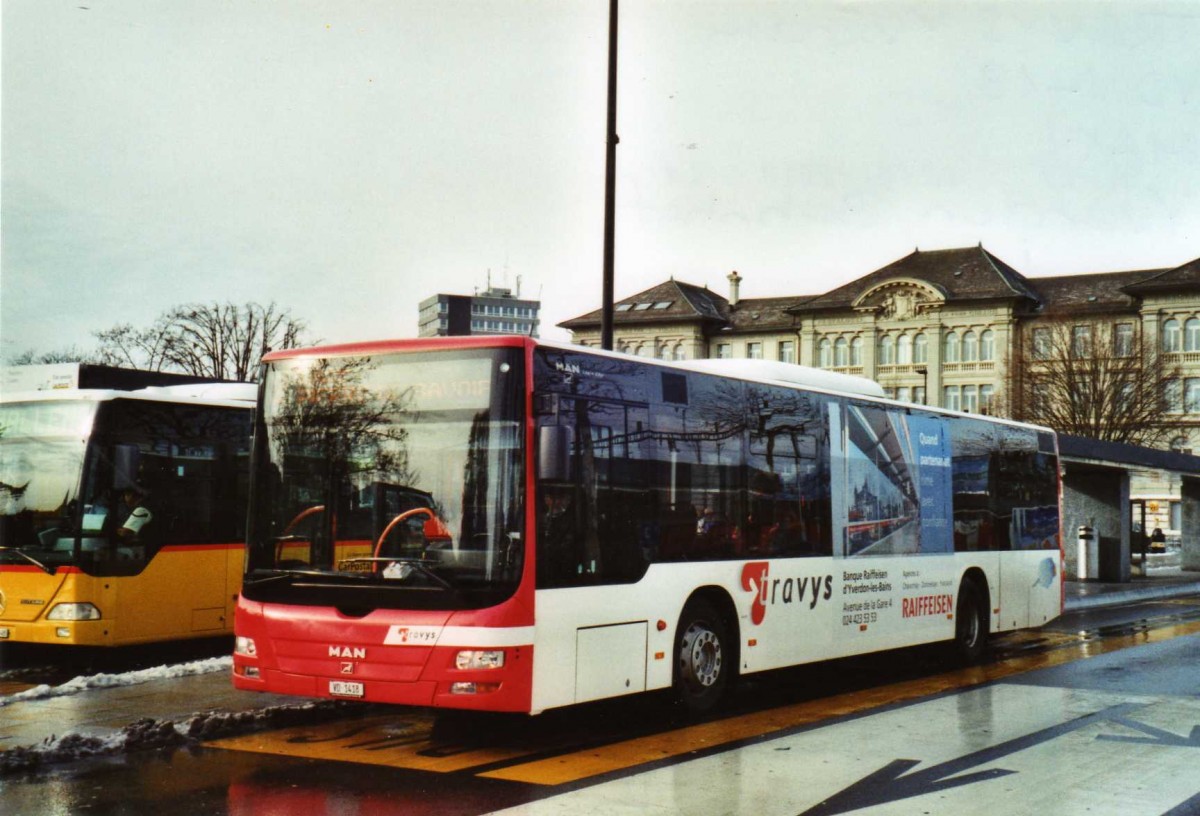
399 741
13 687
618 756
405 739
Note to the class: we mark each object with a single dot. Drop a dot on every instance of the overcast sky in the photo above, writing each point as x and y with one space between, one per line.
348 159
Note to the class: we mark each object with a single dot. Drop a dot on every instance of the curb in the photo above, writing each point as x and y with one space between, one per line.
1121 596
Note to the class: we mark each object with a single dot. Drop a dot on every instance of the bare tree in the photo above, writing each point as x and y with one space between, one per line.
70 354
1091 377
222 340
123 345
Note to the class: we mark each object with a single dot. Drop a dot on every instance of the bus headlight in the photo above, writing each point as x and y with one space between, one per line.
74 612
483 659
245 646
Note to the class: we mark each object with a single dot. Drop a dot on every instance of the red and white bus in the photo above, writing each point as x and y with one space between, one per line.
502 524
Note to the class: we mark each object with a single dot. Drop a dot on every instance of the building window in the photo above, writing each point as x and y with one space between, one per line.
1041 344
904 393
787 351
952 397
904 350
920 349
754 351
664 352
1191 395
987 345
825 353
679 355
1173 397
986 394
1176 515
919 394
1081 342
950 348
887 350
1039 396
1171 339
1191 334
1124 395
723 351
841 352
1123 340
970 399
970 347
1180 445
856 347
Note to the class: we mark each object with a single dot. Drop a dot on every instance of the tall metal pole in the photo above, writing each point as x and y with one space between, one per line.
610 183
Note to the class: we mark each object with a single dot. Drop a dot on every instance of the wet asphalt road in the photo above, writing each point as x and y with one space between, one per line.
413 761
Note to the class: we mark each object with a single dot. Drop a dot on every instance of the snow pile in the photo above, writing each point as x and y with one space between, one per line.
133 678
148 733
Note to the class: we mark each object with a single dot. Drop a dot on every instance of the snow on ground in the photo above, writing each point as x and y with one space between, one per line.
132 678
149 733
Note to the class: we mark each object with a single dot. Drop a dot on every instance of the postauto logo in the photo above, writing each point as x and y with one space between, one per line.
805 590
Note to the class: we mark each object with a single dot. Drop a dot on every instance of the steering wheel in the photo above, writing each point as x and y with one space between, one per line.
301 516
285 537
434 528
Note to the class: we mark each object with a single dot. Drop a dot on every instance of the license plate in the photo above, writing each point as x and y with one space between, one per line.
4 632
340 688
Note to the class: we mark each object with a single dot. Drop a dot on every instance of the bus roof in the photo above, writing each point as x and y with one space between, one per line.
63 376
787 374
227 395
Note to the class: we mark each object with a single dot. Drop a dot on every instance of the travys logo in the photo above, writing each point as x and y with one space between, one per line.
768 591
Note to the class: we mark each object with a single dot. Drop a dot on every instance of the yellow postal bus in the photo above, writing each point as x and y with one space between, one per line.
122 513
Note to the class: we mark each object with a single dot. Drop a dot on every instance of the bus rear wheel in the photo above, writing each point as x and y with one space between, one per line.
970 624
703 657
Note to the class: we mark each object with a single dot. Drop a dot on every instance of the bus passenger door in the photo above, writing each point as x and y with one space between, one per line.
1015 581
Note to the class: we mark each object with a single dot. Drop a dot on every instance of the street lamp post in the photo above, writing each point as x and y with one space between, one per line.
610 184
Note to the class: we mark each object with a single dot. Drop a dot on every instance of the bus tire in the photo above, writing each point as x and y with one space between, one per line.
704 657
971 624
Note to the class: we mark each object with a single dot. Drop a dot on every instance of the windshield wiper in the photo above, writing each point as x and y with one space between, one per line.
289 576
29 558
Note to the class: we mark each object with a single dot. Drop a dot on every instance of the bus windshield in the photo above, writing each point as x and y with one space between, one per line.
389 481
42 448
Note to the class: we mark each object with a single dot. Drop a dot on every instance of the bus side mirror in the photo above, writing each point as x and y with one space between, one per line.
125 466
554 453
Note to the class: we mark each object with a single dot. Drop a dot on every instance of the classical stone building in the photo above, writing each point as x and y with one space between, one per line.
936 327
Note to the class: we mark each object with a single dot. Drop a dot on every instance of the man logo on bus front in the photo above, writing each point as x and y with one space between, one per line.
756 578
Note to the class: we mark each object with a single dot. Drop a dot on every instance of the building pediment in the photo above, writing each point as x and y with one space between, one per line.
900 299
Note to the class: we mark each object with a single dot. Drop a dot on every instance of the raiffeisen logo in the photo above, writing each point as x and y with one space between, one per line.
768 591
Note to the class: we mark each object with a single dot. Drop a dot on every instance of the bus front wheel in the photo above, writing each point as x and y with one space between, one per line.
970 624
703 657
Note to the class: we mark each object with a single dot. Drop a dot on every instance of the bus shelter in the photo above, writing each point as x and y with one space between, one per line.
1097 522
